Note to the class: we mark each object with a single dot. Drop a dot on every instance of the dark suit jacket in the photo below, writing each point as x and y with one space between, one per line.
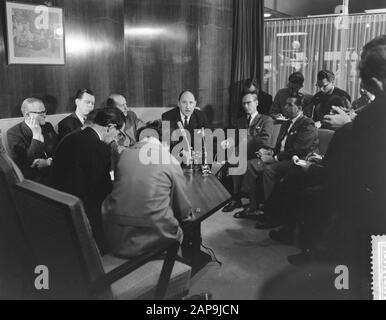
320 104
81 167
302 139
68 125
259 133
197 121
24 149
265 103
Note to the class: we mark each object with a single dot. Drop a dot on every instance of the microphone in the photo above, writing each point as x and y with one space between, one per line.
203 145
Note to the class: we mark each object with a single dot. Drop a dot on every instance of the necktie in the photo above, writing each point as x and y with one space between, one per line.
186 123
249 121
285 134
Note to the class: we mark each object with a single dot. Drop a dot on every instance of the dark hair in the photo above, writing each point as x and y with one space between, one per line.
150 127
108 115
251 82
91 116
297 78
376 42
326 74
81 92
111 103
373 62
339 101
254 94
299 99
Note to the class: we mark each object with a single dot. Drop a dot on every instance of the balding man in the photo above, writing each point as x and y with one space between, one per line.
32 142
133 123
187 114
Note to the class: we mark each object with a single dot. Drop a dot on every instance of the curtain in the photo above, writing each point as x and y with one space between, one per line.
312 44
247 49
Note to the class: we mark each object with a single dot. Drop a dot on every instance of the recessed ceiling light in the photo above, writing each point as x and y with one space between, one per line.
267 15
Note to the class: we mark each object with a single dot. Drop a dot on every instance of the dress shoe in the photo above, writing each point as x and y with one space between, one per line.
247 213
301 259
264 221
233 205
283 236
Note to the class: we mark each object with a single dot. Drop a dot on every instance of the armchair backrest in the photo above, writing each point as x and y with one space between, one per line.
60 235
15 262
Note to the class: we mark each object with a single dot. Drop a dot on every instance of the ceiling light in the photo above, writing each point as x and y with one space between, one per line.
267 15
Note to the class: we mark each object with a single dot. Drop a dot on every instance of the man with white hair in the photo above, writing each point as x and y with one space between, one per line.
32 142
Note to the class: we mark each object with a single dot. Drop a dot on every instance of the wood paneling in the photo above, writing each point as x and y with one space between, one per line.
149 50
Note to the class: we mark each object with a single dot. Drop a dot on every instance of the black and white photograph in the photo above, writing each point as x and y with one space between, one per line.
193 157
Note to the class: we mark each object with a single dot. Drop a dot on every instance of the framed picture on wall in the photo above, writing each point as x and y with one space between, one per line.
35 34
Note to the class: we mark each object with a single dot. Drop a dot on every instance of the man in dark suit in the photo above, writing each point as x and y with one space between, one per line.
260 129
298 137
187 114
84 101
32 141
320 103
82 165
265 99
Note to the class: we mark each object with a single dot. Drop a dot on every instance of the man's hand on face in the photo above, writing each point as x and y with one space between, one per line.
35 127
41 163
337 120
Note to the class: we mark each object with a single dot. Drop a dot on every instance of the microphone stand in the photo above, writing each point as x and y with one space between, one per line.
205 167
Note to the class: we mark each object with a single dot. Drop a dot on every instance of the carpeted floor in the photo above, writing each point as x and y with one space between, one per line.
249 258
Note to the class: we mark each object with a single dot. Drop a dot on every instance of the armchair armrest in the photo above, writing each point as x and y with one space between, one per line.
171 247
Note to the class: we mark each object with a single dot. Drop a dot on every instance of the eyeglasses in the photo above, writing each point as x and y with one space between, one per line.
41 113
88 102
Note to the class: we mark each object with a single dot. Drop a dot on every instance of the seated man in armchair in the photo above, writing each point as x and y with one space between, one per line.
298 136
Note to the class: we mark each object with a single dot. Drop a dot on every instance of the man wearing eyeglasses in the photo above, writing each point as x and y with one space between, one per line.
85 102
82 164
320 104
32 142
260 130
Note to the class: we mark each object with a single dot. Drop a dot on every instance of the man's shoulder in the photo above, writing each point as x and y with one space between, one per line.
199 113
306 121
283 92
264 95
171 114
340 92
266 119
17 129
67 120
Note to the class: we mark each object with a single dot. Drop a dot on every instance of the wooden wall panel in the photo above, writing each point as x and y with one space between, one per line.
149 50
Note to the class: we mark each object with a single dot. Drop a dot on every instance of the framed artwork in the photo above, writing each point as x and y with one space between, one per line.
35 34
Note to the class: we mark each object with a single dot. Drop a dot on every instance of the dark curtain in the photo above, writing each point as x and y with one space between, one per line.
247 50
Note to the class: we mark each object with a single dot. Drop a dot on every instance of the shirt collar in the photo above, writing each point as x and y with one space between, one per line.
100 137
253 116
81 119
296 119
183 117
